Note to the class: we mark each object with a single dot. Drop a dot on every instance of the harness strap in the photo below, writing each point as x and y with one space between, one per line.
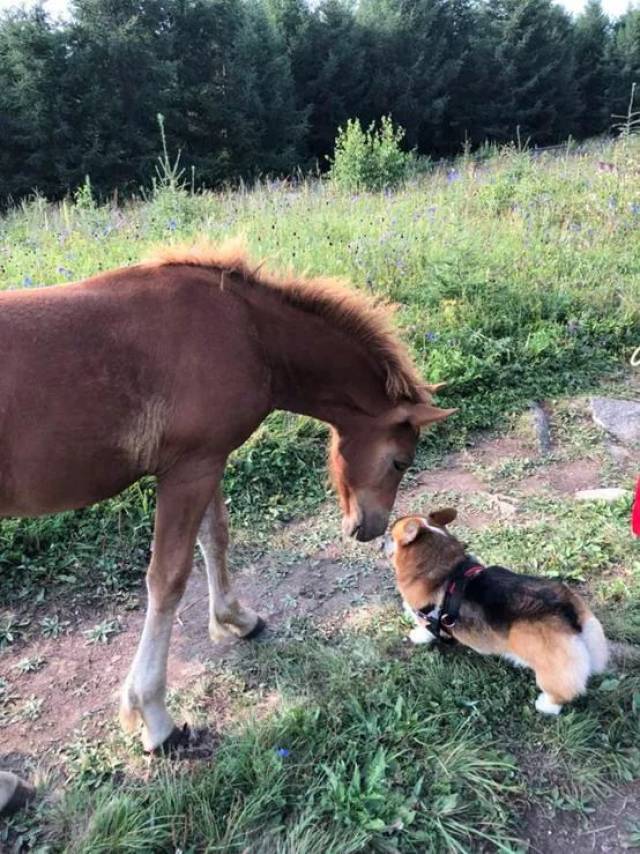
440 621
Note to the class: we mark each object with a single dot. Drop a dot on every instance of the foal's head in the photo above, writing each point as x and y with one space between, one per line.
367 459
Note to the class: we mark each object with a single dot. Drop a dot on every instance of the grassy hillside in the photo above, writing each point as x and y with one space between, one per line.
515 278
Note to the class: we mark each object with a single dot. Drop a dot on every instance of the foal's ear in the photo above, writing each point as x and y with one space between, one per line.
434 388
420 414
409 532
443 517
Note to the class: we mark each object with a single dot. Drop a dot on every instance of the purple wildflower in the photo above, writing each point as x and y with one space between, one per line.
452 175
283 752
634 207
431 336
28 281
573 327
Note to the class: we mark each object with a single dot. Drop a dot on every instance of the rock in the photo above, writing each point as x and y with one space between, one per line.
621 418
608 494
618 453
541 426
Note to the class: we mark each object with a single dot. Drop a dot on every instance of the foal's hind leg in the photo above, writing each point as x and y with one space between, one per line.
226 615
181 504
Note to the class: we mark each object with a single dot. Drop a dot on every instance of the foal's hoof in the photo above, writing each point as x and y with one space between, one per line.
259 627
177 739
21 796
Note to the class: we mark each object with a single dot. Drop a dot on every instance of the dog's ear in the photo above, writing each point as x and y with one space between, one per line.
409 532
443 517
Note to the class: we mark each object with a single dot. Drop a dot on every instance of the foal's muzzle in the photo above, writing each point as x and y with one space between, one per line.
365 527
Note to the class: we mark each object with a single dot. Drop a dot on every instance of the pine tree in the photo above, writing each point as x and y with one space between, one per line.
533 89
414 62
331 73
624 62
592 36
32 57
115 84
201 119
263 97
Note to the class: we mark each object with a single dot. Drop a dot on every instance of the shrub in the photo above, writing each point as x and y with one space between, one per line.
369 159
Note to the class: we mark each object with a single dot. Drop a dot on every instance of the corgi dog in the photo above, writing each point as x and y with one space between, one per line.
533 622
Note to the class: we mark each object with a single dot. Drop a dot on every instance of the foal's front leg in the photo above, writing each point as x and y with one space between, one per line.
226 615
181 504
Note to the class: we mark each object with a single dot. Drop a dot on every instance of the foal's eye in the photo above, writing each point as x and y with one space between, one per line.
401 465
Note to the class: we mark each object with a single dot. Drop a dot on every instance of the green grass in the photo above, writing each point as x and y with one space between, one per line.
387 751
519 281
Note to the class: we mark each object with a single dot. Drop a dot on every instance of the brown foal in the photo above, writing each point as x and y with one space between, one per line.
165 368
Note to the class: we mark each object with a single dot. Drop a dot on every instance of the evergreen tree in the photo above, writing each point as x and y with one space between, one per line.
533 89
624 59
592 35
465 117
200 117
414 62
263 98
331 73
32 55
115 84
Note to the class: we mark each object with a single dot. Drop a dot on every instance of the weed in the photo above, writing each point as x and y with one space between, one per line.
31 664
11 629
103 632
53 627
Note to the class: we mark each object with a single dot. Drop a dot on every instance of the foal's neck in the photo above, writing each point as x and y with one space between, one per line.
316 368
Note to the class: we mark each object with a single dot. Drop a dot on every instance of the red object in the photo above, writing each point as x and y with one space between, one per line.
635 513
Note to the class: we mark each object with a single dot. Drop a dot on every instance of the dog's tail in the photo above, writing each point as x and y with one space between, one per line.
596 643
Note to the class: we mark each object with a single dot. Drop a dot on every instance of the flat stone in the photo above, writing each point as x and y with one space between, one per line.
621 418
609 494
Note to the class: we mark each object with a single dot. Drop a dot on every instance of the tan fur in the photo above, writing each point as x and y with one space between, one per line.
330 298
424 554
143 440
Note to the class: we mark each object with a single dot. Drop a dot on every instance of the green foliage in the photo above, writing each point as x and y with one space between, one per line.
369 159
382 751
514 281
255 87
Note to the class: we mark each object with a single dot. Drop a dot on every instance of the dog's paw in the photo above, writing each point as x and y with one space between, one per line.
420 635
546 706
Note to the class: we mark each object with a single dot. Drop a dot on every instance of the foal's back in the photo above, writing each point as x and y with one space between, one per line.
107 379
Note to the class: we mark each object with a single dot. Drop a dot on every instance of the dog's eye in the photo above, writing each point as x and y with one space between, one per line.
401 465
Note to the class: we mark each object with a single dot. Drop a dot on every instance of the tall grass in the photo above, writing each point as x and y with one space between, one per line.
515 278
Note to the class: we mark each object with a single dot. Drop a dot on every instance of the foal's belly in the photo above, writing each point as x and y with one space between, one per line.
55 482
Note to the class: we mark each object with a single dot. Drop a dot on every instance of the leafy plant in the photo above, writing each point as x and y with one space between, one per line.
369 159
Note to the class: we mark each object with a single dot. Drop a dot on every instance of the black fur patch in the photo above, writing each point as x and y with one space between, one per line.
506 596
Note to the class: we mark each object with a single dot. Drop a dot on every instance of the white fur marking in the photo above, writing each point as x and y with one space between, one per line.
421 635
595 641
145 686
433 527
514 659
544 705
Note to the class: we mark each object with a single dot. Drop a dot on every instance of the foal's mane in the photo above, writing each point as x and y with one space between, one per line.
332 299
